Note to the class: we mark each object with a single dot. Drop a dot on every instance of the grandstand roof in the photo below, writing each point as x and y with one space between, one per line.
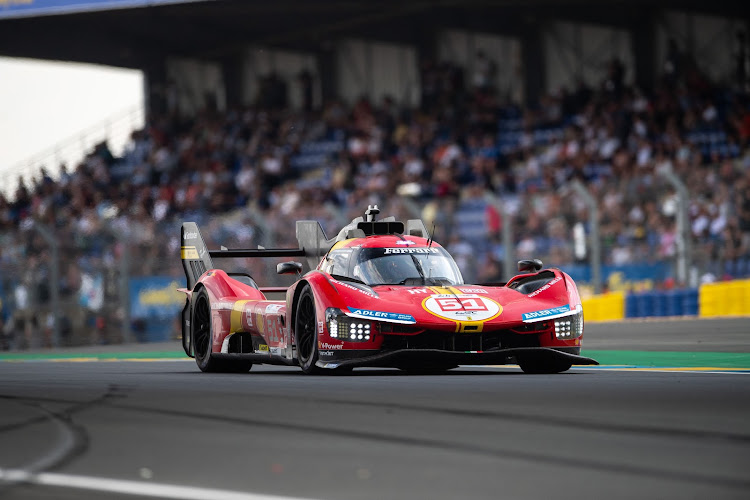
133 37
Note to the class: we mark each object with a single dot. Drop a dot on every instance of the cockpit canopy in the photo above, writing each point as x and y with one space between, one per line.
425 266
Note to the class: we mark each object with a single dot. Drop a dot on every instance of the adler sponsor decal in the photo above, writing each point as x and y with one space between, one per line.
545 287
553 312
410 250
366 313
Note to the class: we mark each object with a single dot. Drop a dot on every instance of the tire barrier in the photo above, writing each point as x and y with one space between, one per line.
726 298
662 303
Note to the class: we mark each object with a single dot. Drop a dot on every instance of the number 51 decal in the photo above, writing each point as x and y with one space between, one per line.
461 303
468 307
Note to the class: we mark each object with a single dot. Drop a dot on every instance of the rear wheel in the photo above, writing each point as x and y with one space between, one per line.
203 340
543 363
305 333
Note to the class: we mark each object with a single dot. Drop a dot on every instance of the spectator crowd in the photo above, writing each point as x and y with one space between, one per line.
245 175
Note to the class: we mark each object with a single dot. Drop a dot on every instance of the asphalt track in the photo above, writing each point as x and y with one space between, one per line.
161 429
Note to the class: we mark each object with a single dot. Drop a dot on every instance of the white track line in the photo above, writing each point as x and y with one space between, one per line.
136 488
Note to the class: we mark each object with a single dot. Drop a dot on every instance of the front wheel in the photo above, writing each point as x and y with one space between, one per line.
203 340
305 332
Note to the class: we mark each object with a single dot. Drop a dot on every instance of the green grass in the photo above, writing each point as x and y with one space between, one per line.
669 359
662 359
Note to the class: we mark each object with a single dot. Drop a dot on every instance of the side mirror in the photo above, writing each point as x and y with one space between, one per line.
289 268
529 266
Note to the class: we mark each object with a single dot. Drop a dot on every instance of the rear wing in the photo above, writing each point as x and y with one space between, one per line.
196 258
313 242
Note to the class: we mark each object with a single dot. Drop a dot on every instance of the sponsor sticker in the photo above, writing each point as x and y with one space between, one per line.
276 351
466 307
274 308
352 287
325 354
418 291
189 253
320 326
382 315
219 305
410 250
545 287
553 312
327 346
191 236
472 290
405 242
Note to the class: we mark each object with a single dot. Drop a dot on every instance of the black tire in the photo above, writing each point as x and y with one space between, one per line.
200 324
306 333
543 363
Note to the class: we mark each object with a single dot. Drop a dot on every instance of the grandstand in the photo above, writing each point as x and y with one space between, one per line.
479 119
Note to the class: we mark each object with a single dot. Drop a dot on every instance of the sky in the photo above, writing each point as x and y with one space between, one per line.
50 111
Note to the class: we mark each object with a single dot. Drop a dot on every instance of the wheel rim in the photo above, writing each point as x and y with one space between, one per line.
202 328
306 328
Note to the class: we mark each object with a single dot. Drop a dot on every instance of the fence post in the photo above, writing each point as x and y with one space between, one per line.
509 258
683 227
54 282
125 288
124 282
412 207
267 239
594 237
336 213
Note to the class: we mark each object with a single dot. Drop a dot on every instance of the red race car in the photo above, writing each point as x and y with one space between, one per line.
379 294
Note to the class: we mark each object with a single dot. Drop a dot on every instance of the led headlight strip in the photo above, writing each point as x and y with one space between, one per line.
343 327
570 327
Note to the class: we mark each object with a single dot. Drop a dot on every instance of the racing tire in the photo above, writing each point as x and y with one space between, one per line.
543 364
202 331
306 333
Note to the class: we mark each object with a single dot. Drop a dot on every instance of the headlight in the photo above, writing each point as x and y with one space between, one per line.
342 327
569 327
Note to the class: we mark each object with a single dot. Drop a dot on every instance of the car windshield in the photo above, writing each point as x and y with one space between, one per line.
406 266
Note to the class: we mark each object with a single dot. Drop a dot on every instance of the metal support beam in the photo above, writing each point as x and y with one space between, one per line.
683 227
123 284
54 279
509 255
595 261
532 56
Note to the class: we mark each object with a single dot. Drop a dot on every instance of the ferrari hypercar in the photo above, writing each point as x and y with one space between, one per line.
381 293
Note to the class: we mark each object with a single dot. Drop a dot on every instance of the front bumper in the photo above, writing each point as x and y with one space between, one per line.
417 357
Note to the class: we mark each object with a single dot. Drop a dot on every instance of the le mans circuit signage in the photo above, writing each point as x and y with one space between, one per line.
31 8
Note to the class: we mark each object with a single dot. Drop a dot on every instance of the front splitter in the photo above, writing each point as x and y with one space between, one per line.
409 357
